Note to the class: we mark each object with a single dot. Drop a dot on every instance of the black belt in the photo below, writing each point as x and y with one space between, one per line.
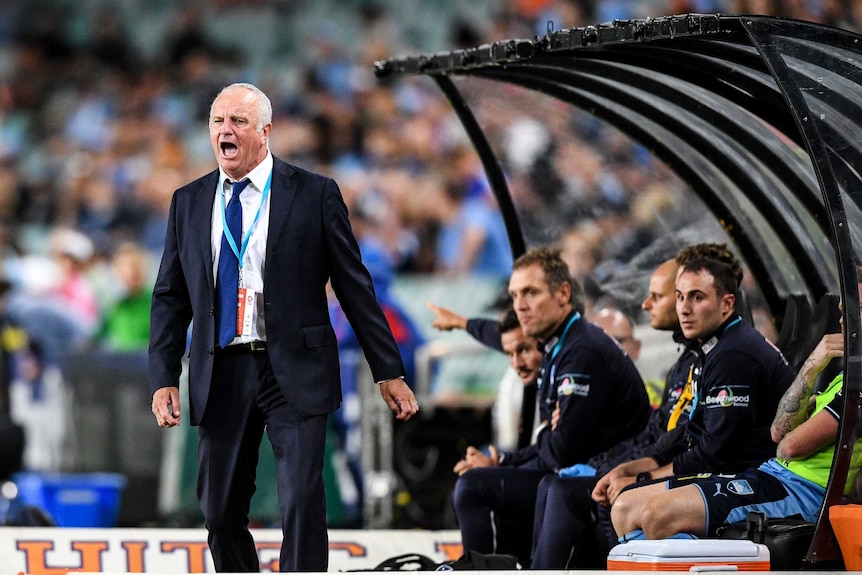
251 346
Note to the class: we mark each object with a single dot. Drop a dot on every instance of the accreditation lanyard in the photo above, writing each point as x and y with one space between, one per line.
556 349
684 400
240 252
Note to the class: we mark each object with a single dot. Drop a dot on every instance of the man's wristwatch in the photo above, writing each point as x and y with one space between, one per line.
643 476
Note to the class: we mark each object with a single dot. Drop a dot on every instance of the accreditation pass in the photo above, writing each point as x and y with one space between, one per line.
244 310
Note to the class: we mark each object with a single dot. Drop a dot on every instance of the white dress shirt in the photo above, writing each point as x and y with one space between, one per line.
254 260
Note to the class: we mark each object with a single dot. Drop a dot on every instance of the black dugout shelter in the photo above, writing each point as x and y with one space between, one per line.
760 116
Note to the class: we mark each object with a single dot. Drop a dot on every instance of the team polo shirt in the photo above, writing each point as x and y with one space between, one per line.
739 379
600 393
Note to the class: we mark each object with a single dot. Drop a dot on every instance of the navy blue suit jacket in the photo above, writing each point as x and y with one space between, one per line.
310 241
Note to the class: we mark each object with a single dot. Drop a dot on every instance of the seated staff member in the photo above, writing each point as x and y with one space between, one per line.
599 393
515 409
738 380
791 484
566 514
525 357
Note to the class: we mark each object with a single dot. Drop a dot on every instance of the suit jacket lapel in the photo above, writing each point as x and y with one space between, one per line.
281 199
203 220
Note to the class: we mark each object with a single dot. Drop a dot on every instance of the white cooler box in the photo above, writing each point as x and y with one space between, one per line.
689 555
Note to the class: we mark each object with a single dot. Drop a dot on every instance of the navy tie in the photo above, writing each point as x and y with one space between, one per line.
227 283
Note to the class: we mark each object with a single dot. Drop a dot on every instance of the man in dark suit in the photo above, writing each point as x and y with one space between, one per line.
249 249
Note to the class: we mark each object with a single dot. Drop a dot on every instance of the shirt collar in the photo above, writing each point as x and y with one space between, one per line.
547 346
257 176
709 344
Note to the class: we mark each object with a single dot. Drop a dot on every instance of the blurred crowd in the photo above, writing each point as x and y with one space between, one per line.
98 127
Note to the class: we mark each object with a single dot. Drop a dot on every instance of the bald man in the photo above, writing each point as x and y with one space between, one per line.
619 326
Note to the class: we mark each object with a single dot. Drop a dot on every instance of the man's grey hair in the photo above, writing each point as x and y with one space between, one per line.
264 106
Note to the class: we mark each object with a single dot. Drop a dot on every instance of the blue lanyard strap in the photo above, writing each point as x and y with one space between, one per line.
556 349
240 253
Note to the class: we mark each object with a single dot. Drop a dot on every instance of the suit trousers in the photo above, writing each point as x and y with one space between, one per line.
245 400
568 532
494 507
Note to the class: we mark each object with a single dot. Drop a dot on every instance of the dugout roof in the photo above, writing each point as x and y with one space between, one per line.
760 116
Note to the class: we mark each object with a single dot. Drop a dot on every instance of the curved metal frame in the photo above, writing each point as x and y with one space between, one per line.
732 104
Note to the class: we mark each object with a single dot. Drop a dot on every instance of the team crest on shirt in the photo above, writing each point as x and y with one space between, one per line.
573 384
740 487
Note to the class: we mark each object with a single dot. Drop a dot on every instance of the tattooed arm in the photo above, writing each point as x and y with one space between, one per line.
794 407
812 435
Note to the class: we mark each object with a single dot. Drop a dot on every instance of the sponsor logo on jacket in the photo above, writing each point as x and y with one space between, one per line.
573 384
725 397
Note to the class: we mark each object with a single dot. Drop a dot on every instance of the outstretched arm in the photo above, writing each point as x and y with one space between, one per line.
485 331
446 319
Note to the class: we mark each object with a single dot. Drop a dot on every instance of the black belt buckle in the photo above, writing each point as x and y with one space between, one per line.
252 346
256 345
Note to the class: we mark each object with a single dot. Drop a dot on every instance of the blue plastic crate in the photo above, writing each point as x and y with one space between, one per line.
74 499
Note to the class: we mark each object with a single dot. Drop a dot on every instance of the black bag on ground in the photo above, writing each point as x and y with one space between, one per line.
787 539
471 561
406 562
